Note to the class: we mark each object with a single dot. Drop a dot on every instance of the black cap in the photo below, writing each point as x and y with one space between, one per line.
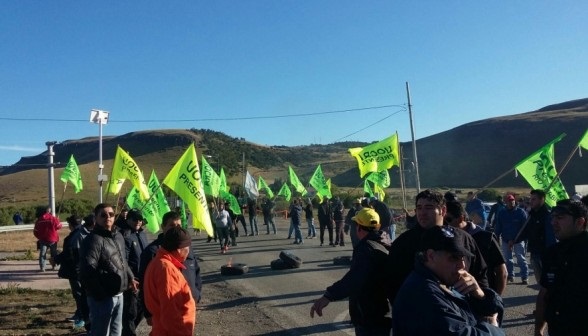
570 207
445 238
135 215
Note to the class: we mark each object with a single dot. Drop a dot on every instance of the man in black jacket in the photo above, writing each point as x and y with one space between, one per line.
192 271
104 273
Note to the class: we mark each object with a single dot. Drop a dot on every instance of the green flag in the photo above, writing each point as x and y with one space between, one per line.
158 199
262 185
377 157
584 141
183 216
233 202
123 168
318 182
380 192
285 191
295 182
381 178
147 209
71 173
210 180
223 181
367 189
539 171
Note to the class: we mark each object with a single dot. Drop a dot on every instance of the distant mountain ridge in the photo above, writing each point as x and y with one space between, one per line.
470 155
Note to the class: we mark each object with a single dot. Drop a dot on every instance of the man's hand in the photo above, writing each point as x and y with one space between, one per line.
467 284
134 285
510 244
318 306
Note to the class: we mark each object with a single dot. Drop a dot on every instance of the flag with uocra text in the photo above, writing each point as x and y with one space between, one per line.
210 180
158 199
378 156
539 171
295 182
185 180
318 182
381 178
123 168
71 173
285 191
262 185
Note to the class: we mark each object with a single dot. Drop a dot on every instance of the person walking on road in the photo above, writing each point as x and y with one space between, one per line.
366 282
308 215
295 213
509 222
46 231
325 217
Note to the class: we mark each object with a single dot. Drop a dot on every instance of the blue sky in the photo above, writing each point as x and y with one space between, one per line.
267 71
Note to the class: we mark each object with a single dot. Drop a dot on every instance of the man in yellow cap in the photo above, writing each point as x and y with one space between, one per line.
366 282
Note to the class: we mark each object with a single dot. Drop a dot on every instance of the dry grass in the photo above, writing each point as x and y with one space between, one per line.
23 241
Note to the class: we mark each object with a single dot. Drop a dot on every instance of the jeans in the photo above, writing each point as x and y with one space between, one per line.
311 229
519 251
253 224
223 236
106 315
339 232
329 226
132 313
297 232
270 221
76 292
290 229
43 251
392 231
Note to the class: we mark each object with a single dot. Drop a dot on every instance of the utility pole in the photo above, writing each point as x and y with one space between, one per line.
414 149
51 174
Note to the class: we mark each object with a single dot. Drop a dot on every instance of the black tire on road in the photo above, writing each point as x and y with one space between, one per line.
279 264
234 269
342 261
290 259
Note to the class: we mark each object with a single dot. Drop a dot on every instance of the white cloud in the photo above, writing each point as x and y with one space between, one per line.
16 148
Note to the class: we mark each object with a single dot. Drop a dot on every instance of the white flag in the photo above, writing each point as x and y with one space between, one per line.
251 186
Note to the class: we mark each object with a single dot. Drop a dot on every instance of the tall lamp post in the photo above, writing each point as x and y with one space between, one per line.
51 177
101 118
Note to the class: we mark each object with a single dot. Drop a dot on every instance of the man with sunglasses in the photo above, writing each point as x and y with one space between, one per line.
105 274
562 302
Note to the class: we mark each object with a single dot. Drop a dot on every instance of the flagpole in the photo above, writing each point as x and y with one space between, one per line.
561 169
61 201
401 175
496 179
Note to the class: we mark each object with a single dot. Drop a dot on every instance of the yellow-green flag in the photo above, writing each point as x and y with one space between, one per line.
123 168
318 182
377 157
285 191
147 209
381 178
367 189
71 173
158 199
295 182
539 171
184 179
262 185
223 181
380 192
233 202
210 180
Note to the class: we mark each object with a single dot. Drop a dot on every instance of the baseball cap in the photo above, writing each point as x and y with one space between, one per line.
510 197
357 201
569 207
135 215
367 217
445 238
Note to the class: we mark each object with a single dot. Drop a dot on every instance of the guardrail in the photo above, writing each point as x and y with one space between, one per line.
11 228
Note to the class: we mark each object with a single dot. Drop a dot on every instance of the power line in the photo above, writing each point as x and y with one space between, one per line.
370 125
209 119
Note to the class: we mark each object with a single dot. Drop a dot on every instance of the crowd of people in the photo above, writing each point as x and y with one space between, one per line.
446 266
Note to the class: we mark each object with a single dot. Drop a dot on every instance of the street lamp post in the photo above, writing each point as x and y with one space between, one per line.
51 177
101 118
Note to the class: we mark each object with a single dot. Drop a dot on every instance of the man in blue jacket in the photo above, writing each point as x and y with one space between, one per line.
446 298
509 222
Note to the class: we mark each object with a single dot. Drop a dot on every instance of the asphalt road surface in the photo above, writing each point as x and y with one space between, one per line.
286 296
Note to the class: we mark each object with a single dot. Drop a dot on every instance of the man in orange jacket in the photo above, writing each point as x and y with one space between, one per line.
167 294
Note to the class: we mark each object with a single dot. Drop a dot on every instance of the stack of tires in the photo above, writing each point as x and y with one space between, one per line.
342 261
287 260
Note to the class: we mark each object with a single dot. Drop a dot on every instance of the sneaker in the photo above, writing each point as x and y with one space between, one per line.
321 244
510 279
223 250
525 282
79 324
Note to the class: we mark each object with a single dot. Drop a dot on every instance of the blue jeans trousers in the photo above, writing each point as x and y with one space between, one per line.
52 247
519 252
106 315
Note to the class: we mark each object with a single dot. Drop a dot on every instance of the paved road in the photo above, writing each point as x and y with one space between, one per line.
286 296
